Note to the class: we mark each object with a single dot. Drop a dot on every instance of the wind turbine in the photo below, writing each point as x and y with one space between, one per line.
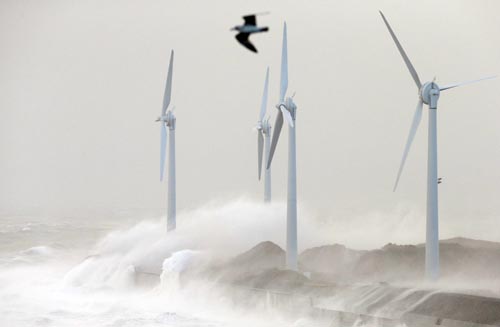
429 94
287 108
264 137
167 119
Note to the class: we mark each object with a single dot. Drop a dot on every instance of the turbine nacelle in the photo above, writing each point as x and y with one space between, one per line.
169 119
264 126
288 109
290 105
429 94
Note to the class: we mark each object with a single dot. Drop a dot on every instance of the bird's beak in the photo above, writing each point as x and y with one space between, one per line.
233 29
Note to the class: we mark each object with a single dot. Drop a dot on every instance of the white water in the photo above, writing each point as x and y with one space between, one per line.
81 272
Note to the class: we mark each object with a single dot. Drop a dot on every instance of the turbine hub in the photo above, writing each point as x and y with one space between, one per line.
291 107
288 105
429 93
170 120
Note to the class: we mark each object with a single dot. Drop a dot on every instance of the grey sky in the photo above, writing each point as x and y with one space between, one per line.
82 83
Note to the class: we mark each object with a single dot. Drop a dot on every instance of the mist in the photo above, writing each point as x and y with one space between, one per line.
82 84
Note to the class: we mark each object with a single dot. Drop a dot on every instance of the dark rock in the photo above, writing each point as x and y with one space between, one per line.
274 279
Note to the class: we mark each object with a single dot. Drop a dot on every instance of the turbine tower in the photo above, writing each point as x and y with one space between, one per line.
264 137
429 94
167 120
287 108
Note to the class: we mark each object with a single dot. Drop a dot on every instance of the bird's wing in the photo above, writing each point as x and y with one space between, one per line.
243 39
250 20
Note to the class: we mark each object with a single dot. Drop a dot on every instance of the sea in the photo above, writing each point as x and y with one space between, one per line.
81 271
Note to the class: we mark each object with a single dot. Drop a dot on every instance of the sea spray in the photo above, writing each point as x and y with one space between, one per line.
174 266
100 290
219 231
101 272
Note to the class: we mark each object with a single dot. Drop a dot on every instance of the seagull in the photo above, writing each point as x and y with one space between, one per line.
246 29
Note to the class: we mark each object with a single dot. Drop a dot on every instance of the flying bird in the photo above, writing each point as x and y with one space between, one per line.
246 30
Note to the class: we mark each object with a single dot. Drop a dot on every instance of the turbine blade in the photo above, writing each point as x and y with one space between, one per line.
276 134
264 97
284 67
417 117
287 115
163 148
450 86
260 150
407 61
168 87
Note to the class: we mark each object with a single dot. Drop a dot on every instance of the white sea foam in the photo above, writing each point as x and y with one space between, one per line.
100 290
38 251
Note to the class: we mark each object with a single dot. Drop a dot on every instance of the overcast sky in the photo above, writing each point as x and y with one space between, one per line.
81 83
